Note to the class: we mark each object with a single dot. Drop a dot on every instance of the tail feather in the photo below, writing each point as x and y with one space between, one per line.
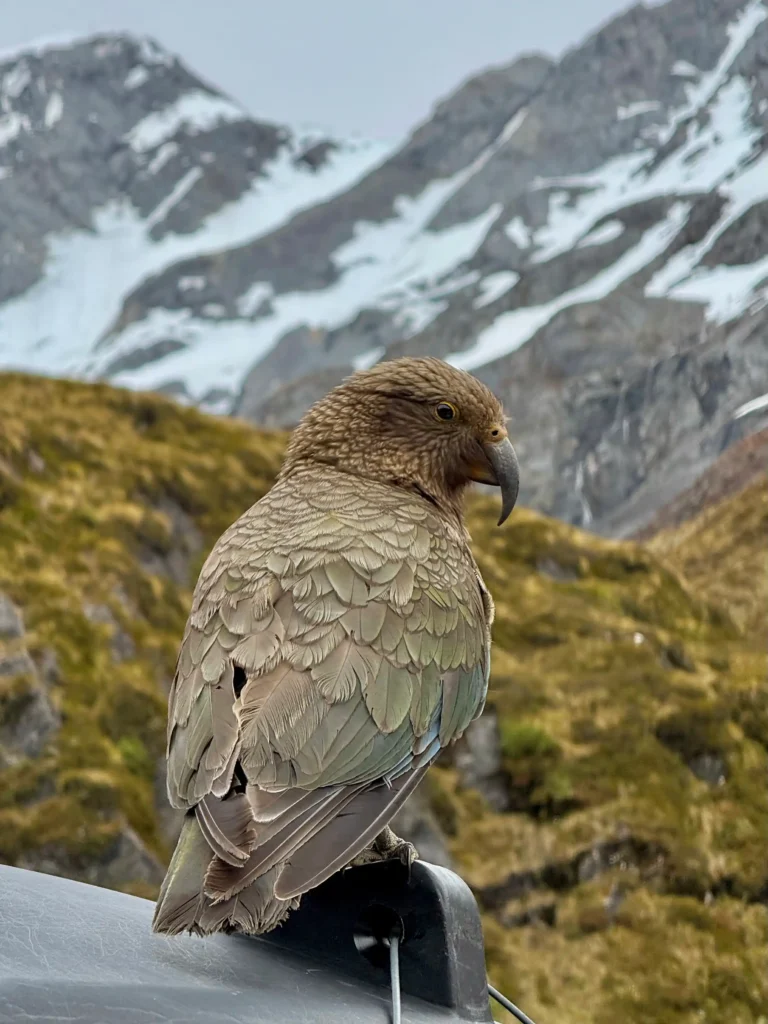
182 905
254 910
225 881
336 845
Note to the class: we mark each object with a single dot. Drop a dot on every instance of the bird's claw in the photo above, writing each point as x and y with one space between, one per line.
406 853
388 846
392 847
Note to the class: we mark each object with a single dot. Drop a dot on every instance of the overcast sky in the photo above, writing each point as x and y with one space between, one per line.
374 67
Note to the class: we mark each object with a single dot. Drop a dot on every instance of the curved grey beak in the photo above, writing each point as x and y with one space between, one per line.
503 460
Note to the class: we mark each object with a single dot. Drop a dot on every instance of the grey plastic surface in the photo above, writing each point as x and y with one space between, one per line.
73 952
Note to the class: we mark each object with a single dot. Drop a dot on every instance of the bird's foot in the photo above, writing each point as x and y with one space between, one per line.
387 846
392 847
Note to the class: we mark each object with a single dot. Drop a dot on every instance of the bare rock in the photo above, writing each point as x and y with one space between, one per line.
478 760
11 625
125 860
28 717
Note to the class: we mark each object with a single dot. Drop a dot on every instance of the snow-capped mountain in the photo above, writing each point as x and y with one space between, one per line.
589 236
116 164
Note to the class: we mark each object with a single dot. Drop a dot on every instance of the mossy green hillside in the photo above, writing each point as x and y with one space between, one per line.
627 879
109 501
723 553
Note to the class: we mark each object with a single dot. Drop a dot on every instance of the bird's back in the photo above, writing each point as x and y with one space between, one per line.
338 640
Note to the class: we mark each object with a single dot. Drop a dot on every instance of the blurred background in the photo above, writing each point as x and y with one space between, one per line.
208 218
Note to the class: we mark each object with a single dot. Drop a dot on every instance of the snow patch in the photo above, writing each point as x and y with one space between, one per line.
602 192
193 112
603 234
166 152
400 264
395 264
54 109
755 405
494 286
635 109
727 291
174 197
709 154
373 355
16 80
517 231
511 330
685 69
151 53
410 266
56 326
739 32
136 77
513 125
107 47
251 301
11 126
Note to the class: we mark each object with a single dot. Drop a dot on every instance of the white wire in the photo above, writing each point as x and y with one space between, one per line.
509 1005
394 973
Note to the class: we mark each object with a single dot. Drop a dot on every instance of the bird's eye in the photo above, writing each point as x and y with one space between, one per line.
445 411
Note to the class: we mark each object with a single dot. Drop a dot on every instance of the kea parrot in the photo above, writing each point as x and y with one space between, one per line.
339 639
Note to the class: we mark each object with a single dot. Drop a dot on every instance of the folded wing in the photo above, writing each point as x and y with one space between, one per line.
337 643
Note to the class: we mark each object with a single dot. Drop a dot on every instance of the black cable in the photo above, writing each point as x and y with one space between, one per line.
394 974
508 1005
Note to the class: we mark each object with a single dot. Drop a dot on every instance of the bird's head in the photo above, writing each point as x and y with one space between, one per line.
416 423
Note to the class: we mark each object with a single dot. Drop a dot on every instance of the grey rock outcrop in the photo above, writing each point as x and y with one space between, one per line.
125 858
29 721
479 762
640 436
28 717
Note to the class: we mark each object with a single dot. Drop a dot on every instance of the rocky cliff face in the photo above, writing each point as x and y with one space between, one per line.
640 435
743 463
608 809
586 235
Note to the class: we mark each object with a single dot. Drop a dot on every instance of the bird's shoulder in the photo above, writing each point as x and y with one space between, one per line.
321 516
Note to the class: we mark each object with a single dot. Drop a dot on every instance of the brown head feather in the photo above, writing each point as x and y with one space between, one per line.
385 424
